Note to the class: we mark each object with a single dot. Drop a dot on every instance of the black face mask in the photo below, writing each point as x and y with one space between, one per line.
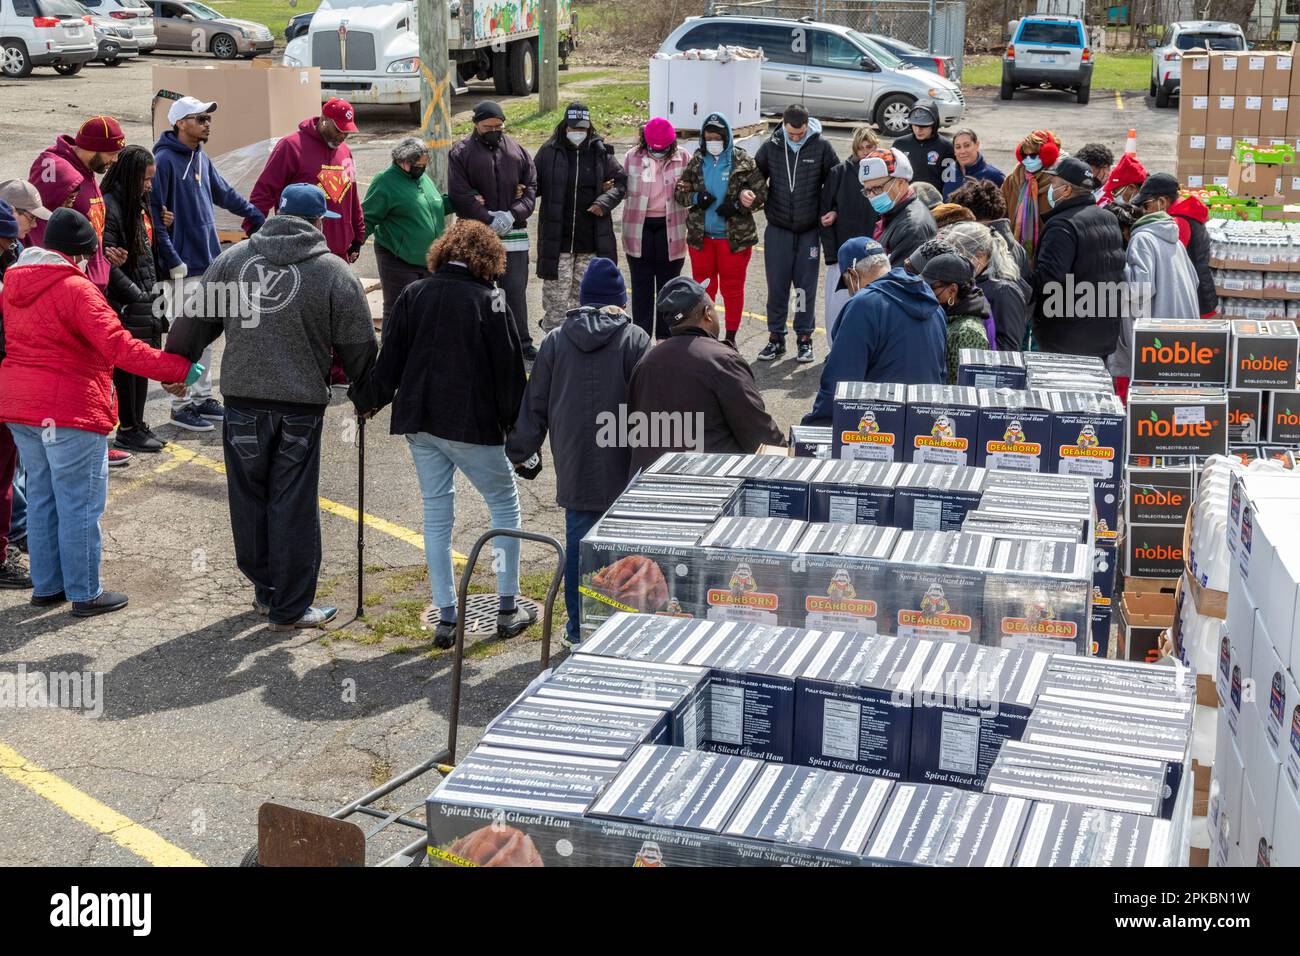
493 139
415 172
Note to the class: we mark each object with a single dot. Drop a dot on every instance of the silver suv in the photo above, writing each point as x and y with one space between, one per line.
1179 38
835 72
53 33
1051 52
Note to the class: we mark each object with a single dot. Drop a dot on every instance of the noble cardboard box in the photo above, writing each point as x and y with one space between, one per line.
942 424
1068 835
1015 429
867 421
1264 354
505 807
1225 72
1177 421
1284 417
969 703
1195 79
1246 425
854 706
1159 495
264 102
1190 352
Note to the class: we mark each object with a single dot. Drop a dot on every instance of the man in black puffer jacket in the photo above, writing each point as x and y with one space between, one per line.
930 152
1078 275
796 162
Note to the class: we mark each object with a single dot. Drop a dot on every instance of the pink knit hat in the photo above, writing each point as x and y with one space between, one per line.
659 133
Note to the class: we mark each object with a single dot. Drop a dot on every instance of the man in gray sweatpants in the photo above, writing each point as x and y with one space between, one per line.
796 162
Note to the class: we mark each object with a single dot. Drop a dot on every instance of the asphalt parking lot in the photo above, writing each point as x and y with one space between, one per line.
205 713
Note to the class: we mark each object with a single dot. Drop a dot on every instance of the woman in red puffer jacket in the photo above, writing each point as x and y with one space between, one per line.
62 342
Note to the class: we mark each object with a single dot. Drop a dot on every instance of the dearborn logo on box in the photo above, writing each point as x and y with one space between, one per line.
742 591
934 613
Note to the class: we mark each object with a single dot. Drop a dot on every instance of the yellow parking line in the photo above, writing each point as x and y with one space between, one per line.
122 830
758 316
415 539
1119 101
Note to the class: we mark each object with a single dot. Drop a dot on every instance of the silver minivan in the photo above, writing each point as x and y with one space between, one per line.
835 72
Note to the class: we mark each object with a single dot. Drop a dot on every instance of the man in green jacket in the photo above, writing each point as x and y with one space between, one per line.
405 213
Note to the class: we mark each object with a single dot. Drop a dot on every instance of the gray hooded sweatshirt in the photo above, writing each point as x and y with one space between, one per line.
284 302
1161 280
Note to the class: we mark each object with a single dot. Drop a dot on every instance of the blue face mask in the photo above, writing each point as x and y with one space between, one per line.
1051 197
1032 164
882 203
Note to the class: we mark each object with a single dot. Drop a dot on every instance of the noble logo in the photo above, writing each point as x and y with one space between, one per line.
1158 552
1178 353
1158 496
266 287
1156 426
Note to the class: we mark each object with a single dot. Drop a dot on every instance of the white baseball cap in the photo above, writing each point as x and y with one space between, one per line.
188 106
885 162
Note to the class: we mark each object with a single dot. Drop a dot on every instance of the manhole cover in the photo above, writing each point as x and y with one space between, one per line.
480 613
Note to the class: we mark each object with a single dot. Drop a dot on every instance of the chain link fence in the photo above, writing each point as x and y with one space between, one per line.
935 25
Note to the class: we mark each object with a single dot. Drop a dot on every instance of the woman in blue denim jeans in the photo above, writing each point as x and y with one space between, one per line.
453 368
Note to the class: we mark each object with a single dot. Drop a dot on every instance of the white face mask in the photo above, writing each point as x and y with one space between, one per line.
714 146
577 139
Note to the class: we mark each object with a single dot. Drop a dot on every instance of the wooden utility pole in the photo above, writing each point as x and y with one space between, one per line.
435 86
548 83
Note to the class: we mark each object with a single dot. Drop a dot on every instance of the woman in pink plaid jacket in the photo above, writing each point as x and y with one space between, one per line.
654 226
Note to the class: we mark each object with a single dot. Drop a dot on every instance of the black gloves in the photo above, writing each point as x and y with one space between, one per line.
726 209
704 199
530 469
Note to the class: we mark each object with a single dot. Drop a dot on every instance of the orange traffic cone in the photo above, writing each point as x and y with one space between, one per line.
1131 145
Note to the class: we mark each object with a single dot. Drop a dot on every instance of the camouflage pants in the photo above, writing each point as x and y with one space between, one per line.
561 294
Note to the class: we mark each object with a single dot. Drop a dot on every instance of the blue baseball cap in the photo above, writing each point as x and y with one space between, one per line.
306 201
854 251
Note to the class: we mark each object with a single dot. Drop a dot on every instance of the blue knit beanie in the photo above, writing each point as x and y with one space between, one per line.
602 284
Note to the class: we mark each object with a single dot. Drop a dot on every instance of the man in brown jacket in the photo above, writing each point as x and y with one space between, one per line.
692 392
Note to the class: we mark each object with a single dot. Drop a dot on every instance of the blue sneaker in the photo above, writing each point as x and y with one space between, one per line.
211 409
189 419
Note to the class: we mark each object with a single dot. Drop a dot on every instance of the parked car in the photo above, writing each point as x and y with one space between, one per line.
298 25
1179 38
943 65
44 33
135 14
189 25
1049 52
114 39
836 73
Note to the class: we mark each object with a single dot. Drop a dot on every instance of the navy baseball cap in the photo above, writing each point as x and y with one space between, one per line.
854 251
306 201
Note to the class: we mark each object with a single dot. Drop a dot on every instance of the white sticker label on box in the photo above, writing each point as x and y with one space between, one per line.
841 725
1280 104
1221 180
927 516
1283 64
1227 102
1200 102
1223 144
1295 183
1229 63
1189 415
1195 182
304 77
756 503
959 742
1255 63
1254 102
727 714
842 509
1201 63
1196 142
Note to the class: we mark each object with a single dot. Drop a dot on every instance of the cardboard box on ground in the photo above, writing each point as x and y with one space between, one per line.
257 104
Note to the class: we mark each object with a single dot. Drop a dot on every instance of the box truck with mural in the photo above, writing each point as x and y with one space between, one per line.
368 51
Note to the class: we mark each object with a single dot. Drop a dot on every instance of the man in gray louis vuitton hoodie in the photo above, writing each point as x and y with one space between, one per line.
283 302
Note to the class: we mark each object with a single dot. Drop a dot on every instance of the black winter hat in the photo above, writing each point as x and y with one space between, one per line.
70 233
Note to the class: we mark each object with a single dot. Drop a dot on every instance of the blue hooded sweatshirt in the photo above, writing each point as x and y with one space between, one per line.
717 172
894 330
186 182
983 169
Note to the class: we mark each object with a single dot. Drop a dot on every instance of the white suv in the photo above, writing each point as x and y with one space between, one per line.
1167 52
44 33
135 14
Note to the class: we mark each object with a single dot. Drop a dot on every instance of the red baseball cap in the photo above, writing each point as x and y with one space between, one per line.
340 111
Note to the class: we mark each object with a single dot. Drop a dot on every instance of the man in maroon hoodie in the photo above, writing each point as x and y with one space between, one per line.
318 154
65 174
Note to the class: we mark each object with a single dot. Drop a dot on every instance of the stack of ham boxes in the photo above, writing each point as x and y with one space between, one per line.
1229 97
1255 818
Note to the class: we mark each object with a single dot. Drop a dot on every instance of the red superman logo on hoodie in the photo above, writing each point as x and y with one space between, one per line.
336 181
95 213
